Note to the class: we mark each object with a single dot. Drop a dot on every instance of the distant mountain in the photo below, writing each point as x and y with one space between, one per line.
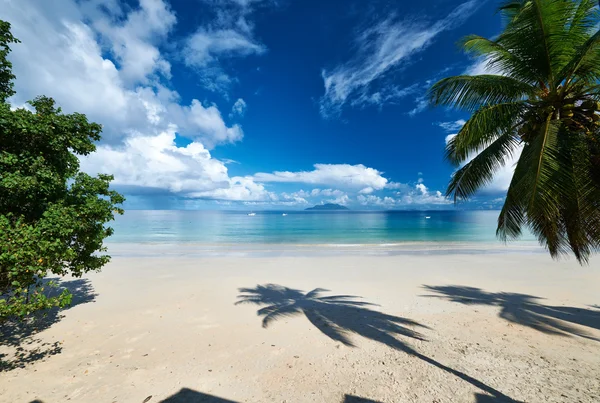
328 207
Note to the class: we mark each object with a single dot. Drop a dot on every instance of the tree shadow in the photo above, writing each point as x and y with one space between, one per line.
525 310
19 337
481 398
186 395
356 399
335 316
338 317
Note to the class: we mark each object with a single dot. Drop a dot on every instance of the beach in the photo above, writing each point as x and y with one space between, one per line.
386 327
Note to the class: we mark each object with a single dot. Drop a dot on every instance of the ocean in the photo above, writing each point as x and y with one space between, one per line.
306 227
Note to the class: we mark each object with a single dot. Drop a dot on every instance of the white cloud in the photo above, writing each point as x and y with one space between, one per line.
453 126
239 189
422 188
339 175
229 35
343 200
60 56
423 196
417 195
295 198
396 185
383 48
205 123
327 192
156 162
206 47
372 200
238 108
133 41
367 190
421 104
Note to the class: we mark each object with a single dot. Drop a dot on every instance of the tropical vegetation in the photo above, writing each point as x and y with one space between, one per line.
52 216
540 102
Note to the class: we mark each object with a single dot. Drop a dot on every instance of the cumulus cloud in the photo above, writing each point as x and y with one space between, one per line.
133 42
239 189
383 48
421 195
65 54
155 162
405 196
372 200
339 175
343 200
61 56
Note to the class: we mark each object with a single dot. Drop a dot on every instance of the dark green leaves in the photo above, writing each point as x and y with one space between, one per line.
473 92
6 75
543 98
52 216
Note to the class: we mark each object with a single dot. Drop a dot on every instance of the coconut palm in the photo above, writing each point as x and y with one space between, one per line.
540 99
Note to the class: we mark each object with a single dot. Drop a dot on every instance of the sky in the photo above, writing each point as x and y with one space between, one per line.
258 104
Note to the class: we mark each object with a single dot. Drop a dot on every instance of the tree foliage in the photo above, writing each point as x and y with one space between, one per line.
544 99
52 216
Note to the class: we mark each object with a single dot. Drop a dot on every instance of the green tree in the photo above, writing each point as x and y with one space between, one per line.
52 216
544 99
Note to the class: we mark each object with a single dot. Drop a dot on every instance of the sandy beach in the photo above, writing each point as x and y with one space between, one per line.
461 327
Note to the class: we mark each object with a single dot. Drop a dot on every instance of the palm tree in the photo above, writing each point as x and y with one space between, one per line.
544 99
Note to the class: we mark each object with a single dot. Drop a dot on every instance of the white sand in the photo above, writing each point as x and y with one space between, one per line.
160 325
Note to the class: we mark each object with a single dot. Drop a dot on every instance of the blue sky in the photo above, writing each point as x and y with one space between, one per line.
256 104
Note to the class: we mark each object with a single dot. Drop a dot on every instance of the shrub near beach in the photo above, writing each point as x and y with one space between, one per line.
52 216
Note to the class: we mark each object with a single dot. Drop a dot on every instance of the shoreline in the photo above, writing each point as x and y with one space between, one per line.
197 249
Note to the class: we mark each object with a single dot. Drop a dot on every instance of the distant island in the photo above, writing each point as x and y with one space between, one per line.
328 207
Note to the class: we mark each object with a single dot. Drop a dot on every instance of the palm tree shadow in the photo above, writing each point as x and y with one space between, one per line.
525 310
19 337
186 395
341 316
336 316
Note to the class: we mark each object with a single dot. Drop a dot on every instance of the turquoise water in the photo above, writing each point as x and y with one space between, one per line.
300 227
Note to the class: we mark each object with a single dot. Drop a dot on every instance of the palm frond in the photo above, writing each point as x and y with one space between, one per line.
548 61
484 126
472 92
480 171
501 60
585 63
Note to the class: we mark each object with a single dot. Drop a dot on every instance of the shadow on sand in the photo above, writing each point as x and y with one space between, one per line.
525 310
186 395
20 336
339 317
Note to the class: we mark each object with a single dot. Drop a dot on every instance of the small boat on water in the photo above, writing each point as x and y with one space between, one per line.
284 214
427 217
251 214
